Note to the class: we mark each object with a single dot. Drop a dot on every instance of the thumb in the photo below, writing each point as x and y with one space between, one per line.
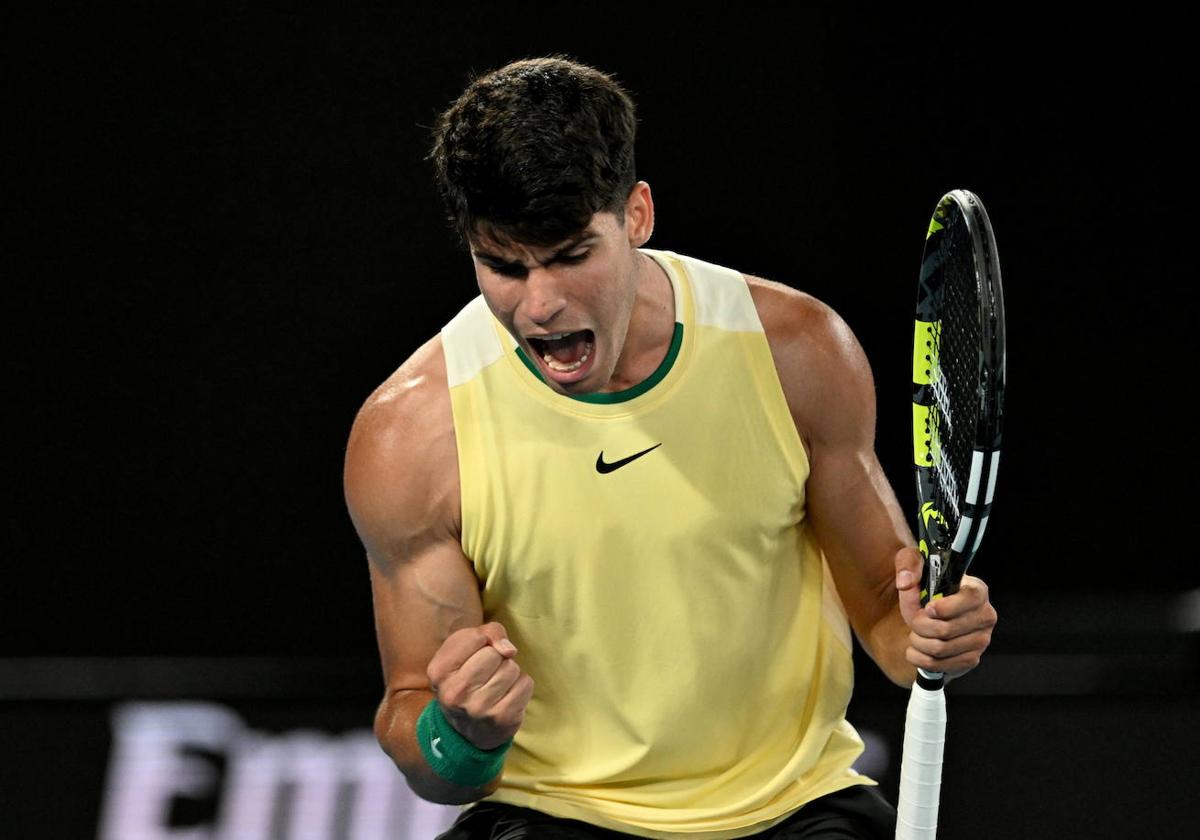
908 582
498 638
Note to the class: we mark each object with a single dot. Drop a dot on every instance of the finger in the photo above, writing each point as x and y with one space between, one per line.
976 643
511 707
954 665
908 563
484 698
972 593
478 671
459 646
455 689
982 617
504 718
498 638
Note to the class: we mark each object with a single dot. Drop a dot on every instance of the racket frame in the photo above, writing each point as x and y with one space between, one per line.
947 559
948 555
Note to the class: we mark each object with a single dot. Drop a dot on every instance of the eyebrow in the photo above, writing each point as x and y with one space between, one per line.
494 261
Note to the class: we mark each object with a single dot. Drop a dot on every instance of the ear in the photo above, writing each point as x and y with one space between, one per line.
639 215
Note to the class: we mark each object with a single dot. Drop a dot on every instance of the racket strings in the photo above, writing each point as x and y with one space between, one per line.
956 348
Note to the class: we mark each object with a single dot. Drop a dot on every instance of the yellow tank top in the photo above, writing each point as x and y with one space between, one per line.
690 655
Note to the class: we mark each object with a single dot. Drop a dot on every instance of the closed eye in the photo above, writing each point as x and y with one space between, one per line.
518 270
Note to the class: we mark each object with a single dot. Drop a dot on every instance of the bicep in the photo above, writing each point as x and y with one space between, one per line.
422 585
850 499
401 484
854 510
850 503
419 600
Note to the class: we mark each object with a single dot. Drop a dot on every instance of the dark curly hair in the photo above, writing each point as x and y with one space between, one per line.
531 151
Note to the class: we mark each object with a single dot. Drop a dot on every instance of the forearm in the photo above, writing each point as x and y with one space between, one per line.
886 643
396 730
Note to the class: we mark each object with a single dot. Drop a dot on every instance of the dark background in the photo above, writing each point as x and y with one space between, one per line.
226 236
221 235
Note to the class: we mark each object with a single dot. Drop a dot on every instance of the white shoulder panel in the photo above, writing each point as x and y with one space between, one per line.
470 342
721 295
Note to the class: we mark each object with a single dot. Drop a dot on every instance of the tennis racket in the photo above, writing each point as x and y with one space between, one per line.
958 408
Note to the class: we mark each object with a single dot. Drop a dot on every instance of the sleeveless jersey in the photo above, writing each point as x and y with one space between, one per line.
691 659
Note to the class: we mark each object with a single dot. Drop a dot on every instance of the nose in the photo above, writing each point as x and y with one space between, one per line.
543 296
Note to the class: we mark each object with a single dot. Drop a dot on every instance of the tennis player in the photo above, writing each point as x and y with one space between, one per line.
623 513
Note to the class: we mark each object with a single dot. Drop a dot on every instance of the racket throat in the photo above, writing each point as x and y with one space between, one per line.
943 570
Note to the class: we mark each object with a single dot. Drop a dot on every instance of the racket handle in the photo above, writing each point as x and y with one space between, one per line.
921 767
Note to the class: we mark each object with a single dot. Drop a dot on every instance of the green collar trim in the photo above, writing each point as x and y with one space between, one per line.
629 393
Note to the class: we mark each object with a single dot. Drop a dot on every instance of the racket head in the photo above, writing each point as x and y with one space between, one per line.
958 388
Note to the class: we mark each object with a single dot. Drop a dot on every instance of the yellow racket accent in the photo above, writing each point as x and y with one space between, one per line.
927 513
926 335
927 450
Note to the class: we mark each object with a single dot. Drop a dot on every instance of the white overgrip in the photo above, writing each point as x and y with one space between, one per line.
921 767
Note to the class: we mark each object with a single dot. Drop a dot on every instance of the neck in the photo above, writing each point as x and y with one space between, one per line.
651 326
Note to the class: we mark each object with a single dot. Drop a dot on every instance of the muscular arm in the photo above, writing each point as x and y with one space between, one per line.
401 484
851 505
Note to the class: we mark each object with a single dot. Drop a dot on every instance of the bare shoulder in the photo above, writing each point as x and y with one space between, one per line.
401 470
825 374
799 325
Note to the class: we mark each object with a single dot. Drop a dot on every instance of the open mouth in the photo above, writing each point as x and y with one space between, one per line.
564 353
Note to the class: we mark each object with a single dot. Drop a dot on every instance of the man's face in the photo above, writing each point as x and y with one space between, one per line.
568 305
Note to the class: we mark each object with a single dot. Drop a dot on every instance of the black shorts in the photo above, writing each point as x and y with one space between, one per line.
855 813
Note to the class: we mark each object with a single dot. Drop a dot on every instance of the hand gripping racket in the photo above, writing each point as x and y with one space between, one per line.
958 407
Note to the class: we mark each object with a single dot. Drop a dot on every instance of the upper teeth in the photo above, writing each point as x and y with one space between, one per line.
554 336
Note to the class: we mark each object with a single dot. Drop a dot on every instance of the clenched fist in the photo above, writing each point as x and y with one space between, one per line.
948 635
479 686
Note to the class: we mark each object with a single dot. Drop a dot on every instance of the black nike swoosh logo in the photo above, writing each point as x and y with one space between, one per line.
602 467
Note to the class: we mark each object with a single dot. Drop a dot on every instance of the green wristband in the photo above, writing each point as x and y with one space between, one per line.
452 756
